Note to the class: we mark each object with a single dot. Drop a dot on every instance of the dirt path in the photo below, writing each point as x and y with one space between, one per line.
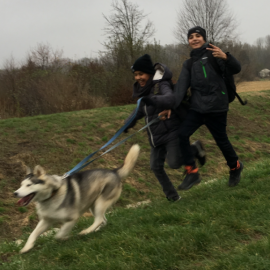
253 86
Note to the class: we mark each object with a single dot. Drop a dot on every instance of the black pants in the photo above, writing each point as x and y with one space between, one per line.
171 152
216 123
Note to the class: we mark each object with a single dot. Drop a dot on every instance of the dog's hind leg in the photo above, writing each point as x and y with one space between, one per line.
65 229
42 226
104 220
102 224
92 210
99 213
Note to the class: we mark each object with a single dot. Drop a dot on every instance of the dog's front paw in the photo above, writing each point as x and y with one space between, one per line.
61 237
25 249
84 232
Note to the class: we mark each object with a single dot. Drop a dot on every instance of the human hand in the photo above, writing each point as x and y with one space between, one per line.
217 52
166 114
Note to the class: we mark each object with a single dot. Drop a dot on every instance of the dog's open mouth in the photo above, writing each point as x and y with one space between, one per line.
26 200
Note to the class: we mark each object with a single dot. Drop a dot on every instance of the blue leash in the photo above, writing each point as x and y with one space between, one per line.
83 163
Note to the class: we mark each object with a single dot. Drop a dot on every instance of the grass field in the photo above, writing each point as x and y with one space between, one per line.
212 227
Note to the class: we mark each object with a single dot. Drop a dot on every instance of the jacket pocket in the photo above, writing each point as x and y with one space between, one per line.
223 94
160 128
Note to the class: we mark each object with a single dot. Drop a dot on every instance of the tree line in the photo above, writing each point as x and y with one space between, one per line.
46 82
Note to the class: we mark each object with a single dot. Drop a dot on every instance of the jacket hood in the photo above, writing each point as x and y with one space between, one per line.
162 73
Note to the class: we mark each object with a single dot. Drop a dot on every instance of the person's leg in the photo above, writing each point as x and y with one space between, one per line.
192 122
216 123
174 156
199 152
157 160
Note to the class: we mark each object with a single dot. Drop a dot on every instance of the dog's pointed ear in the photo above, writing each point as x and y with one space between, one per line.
28 170
38 171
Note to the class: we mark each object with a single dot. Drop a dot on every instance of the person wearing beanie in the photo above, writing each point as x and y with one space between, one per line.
197 30
154 85
144 64
209 103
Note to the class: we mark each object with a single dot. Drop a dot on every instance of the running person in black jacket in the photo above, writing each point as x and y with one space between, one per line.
209 104
153 83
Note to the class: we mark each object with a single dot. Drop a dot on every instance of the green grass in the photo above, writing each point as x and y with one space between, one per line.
212 227
22 209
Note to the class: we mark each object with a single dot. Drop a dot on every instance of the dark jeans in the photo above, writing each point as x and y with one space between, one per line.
216 123
171 152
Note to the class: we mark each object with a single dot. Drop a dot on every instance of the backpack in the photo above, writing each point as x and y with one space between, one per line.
228 79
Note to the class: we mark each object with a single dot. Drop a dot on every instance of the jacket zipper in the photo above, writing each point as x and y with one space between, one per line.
204 71
152 140
205 75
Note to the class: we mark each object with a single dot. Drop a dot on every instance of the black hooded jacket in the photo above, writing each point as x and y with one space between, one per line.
159 89
208 90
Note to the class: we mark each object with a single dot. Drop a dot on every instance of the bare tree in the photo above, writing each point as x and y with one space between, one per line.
125 30
260 42
267 41
44 56
213 15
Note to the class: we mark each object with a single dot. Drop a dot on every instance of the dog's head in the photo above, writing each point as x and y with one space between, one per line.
37 186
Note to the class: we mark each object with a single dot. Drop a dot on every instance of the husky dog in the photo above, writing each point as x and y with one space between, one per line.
65 200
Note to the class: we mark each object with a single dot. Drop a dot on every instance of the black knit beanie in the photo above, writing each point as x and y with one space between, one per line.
144 64
199 30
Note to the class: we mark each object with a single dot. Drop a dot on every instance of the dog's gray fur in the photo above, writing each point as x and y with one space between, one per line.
66 200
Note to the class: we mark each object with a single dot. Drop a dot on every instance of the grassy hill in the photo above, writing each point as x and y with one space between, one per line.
212 227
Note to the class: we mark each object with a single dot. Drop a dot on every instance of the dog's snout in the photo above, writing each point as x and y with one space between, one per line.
15 194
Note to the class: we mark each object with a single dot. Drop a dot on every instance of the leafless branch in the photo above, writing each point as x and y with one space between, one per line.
213 15
125 31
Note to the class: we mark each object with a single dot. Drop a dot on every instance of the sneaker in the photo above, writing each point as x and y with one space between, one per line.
174 199
192 178
235 174
201 156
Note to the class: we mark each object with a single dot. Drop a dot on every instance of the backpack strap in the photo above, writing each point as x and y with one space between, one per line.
240 99
156 88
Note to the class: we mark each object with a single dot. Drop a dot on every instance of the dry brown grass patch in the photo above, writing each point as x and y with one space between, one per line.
253 86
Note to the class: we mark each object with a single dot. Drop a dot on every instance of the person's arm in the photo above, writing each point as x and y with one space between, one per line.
232 65
182 85
179 92
225 60
139 115
165 99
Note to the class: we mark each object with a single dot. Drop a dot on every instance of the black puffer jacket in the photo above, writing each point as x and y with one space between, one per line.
208 90
161 93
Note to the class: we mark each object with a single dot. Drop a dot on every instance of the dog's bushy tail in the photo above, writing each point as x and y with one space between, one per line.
129 162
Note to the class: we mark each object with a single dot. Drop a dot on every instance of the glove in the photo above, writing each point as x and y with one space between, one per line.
149 101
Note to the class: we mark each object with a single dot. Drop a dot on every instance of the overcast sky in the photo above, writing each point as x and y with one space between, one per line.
76 25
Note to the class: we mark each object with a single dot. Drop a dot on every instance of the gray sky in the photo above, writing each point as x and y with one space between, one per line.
76 25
